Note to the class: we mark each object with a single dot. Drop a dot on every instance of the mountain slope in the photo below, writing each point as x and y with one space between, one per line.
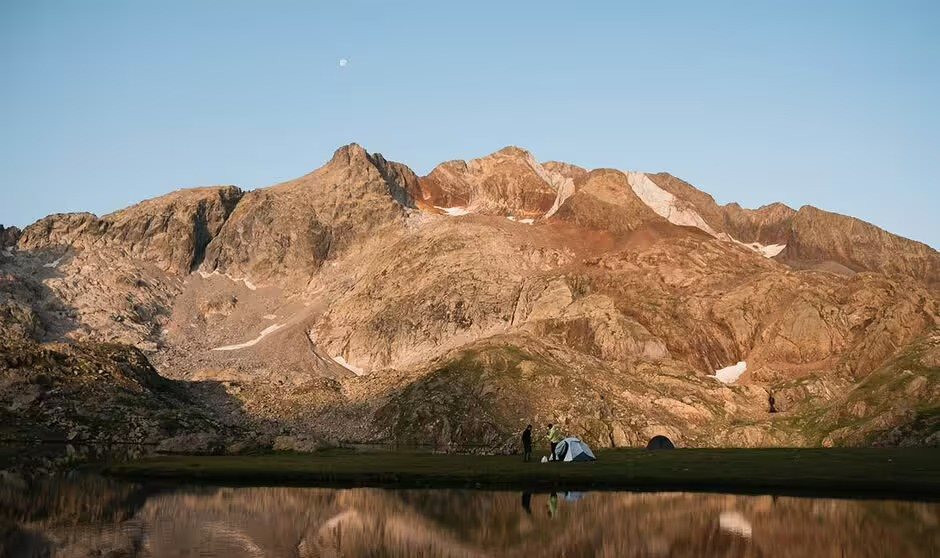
293 227
361 302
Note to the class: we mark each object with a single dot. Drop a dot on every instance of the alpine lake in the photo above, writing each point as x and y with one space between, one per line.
300 507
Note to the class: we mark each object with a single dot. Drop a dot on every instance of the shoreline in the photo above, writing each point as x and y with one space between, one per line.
877 473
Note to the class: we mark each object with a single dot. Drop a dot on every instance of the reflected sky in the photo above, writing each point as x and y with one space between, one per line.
85 515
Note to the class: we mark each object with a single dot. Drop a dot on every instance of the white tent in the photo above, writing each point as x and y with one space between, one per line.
573 449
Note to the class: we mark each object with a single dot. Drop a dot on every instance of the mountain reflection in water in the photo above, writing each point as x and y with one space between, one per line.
90 516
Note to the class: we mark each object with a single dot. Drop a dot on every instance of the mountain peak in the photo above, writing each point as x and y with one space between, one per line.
776 206
350 153
513 151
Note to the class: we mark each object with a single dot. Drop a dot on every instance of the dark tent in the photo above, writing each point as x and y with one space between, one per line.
660 442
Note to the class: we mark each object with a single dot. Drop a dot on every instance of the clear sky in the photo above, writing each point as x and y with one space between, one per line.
834 104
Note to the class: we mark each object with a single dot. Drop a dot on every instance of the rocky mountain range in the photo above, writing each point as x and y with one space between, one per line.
363 303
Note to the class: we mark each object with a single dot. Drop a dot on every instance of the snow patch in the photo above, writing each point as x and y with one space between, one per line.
523 221
348 366
251 286
734 522
54 263
766 250
454 211
539 170
664 203
730 374
565 191
563 186
265 332
269 316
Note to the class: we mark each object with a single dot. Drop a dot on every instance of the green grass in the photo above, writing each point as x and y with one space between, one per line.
848 472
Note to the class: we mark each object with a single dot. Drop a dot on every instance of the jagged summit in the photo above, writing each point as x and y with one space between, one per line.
350 154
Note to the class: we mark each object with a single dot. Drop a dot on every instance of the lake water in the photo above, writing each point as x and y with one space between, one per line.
92 516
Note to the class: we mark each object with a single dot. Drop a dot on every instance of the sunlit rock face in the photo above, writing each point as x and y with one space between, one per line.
364 303
81 517
812 238
287 231
509 182
170 231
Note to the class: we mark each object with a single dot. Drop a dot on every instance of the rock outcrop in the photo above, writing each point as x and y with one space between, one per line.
93 393
509 182
9 236
604 199
170 231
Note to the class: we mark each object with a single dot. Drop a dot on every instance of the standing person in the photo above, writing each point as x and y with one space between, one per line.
527 444
554 436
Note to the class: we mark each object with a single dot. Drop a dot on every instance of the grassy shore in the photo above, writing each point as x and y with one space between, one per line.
908 472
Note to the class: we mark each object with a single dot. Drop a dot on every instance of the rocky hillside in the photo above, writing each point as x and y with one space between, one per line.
95 393
810 237
364 303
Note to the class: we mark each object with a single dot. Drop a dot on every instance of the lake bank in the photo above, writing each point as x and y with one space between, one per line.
853 472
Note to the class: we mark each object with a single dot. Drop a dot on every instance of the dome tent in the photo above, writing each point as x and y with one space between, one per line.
573 449
660 442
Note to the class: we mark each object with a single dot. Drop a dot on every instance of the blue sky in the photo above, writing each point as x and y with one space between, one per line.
833 104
